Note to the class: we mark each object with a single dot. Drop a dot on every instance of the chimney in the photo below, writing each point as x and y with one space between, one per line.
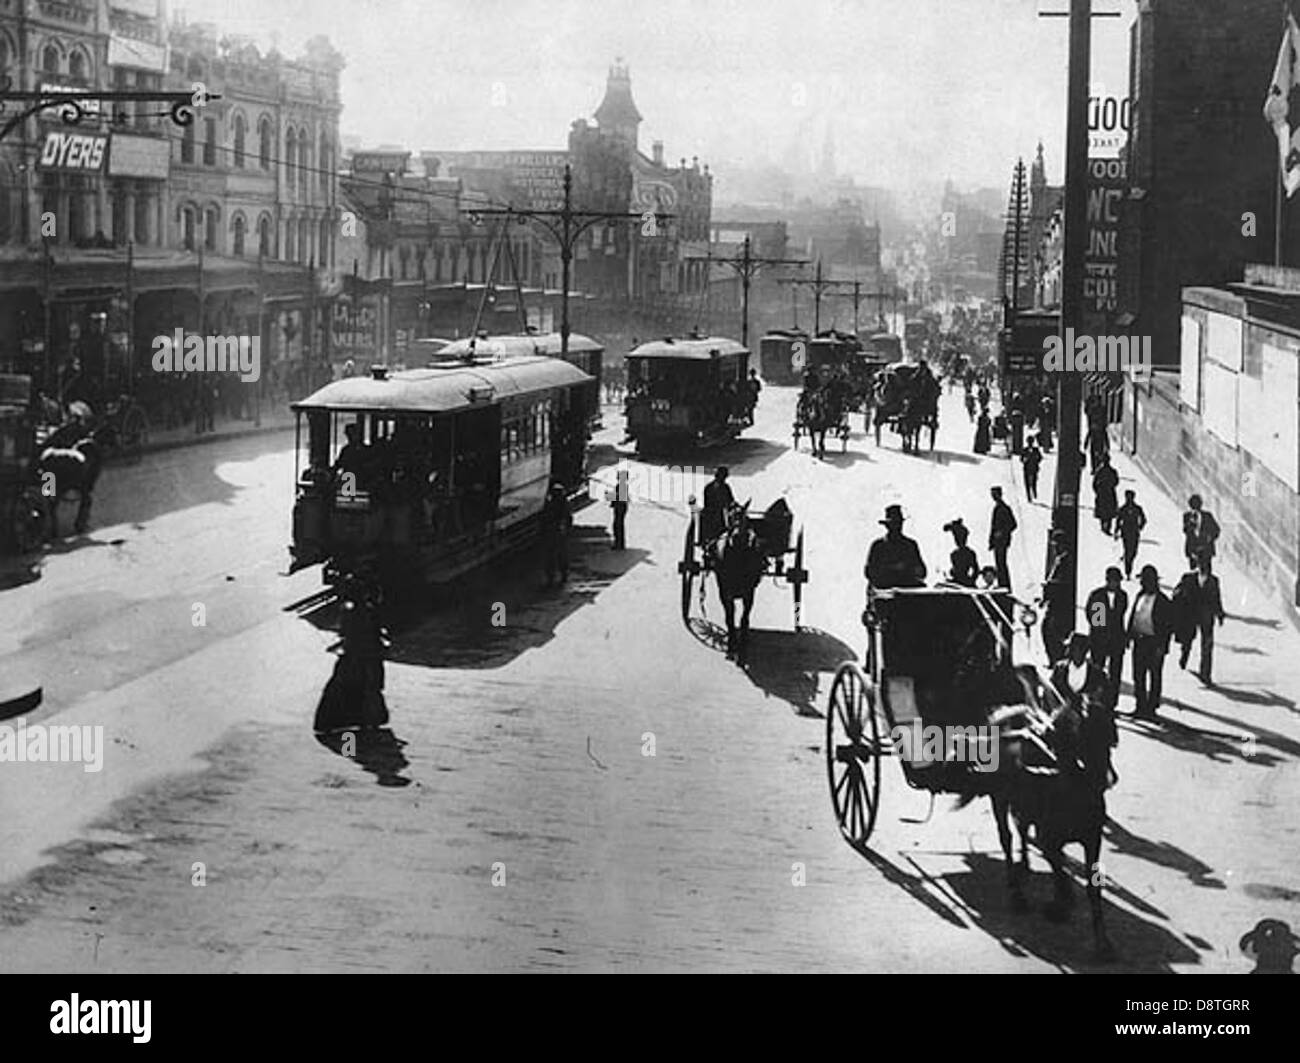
658 150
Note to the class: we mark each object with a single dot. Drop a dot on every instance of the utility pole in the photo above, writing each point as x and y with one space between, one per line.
566 225
822 285
746 267
1063 559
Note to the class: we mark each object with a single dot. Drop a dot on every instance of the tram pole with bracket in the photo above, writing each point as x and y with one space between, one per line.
746 267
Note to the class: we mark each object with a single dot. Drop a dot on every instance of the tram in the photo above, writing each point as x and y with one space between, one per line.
686 392
781 355
585 353
423 474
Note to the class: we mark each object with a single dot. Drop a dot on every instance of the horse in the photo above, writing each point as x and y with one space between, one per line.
739 564
813 418
1060 803
64 469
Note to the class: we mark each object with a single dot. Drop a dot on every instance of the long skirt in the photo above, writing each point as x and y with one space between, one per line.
353 697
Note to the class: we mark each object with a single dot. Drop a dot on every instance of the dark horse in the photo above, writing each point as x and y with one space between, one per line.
739 563
1051 781
62 470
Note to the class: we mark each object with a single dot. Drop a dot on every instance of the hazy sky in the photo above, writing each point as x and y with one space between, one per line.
914 90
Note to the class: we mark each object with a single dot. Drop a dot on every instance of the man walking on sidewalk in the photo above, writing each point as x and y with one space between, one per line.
1149 628
1201 605
1200 532
1001 526
1129 522
1106 610
1031 459
1104 481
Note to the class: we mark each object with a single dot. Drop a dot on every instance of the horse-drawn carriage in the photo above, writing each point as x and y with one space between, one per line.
939 689
907 399
740 553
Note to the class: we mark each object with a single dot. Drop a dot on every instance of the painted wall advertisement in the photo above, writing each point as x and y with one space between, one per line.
1107 186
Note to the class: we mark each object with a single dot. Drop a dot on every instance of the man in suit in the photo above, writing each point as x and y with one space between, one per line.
1149 628
1202 603
1130 519
1106 610
1200 532
1002 524
894 560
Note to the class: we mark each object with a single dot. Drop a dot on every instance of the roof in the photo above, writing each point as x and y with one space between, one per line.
441 389
522 346
785 334
702 350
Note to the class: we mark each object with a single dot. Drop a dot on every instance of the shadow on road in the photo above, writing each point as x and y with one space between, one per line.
1163 854
787 665
378 751
490 616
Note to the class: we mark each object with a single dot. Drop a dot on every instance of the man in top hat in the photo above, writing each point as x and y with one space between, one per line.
894 560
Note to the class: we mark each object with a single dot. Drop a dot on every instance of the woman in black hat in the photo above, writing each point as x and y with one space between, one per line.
965 565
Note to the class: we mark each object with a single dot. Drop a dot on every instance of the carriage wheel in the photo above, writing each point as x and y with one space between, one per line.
133 434
853 753
688 568
798 576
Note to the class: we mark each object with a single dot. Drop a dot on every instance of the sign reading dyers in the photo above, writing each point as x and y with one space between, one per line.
73 152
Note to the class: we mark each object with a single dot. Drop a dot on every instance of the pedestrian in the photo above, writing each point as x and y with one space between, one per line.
1130 519
354 696
755 388
555 523
718 502
983 433
1058 618
970 404
619 497
1199 606
965 565
1150 626
1097 440
1200 532
1001 526
1106 610
894 560
1104 482
1046 423
1017 420
1031 459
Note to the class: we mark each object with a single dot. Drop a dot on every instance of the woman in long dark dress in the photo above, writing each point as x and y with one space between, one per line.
983 433
354 696
1104 482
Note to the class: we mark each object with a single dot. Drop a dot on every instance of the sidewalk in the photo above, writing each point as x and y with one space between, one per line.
274 419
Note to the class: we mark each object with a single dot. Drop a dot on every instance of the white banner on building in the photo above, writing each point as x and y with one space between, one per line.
1270 425
148 157
1223 339
1189 377
138 55
1219 402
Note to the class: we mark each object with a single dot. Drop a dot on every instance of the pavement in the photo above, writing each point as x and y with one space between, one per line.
575 779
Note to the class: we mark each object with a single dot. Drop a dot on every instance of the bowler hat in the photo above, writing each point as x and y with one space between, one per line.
893 515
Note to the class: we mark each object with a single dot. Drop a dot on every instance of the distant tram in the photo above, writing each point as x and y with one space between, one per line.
885 346
777 356
686 392
448 466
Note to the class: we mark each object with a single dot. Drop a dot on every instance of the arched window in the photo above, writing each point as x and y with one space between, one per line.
210 229
188 223
264 143
187 143
323 243
50 59
4 54
209 142
290 242
77 66
240 137
237 240
290 156
304 240
264 235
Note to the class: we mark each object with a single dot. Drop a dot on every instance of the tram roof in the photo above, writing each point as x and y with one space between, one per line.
445 388
702 350
516 346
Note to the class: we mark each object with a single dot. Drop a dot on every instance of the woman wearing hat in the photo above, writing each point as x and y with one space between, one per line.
965 565
894 560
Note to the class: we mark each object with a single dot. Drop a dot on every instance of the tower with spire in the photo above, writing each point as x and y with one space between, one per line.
617 115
